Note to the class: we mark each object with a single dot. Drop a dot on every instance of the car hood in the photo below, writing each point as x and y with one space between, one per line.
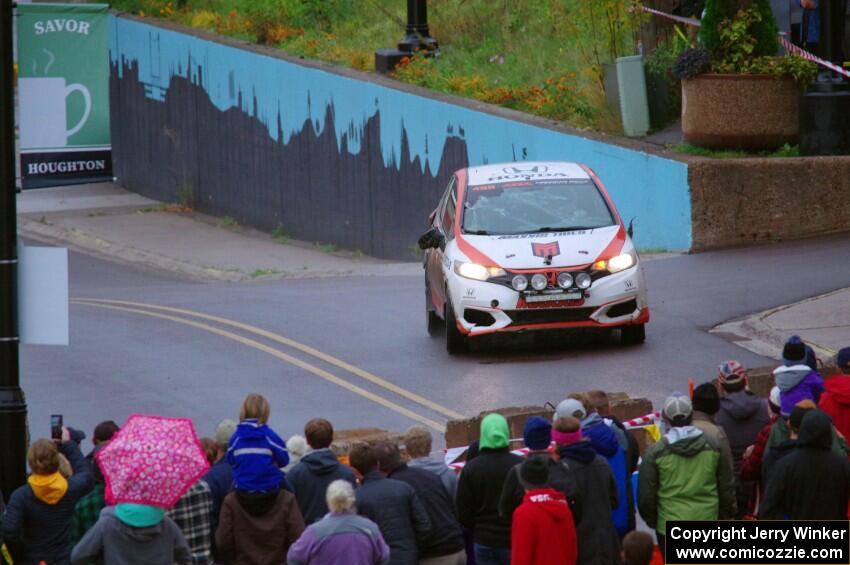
574 248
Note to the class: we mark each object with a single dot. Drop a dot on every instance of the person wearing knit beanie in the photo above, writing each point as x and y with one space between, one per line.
538 437
537 434
706 405
796 378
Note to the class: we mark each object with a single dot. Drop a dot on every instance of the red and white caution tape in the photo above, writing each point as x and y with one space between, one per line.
791 48
787 45
642 422
688 21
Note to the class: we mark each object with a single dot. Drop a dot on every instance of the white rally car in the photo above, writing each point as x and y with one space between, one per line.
530 246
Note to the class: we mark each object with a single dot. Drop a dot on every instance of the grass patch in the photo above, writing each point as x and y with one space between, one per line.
263 273
688 149
543 57
327 247
280 235
229 222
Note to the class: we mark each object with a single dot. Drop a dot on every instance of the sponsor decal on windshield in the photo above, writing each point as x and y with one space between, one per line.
550 249
505 182
542 234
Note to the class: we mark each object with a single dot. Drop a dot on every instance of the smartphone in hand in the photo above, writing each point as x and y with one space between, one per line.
56 426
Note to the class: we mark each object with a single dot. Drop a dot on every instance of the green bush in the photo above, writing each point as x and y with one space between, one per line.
762 30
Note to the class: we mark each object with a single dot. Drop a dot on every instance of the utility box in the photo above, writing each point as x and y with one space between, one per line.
631 86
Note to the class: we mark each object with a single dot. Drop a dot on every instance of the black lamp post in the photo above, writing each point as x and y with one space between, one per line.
13 408
417 38
825 107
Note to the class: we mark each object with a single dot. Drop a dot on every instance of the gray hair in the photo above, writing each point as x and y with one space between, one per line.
340 496
223 432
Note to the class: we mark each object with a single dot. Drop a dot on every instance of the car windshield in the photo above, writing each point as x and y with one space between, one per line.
524 207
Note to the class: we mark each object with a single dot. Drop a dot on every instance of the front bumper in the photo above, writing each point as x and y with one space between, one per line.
612 301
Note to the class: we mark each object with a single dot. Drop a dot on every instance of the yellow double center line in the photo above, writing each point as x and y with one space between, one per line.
157 311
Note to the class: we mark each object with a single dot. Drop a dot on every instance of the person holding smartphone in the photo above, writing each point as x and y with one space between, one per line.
37 523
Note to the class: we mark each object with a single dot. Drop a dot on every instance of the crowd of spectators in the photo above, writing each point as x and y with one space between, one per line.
723 453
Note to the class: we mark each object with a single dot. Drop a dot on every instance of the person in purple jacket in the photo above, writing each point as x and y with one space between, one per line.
796 380
341 537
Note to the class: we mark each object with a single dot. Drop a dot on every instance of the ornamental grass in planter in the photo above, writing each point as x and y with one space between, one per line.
736 92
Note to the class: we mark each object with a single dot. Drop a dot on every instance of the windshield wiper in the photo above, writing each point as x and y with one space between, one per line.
476 232
571 228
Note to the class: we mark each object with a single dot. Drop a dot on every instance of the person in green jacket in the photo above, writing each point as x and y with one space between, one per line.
683 476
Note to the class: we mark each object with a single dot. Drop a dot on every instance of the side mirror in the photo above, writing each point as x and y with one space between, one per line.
431 239
631 229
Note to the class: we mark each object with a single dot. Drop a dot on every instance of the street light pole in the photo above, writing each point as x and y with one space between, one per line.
13 408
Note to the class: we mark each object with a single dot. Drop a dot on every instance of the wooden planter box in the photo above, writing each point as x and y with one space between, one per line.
757 112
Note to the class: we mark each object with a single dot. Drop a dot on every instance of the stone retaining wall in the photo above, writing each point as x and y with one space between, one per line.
744 201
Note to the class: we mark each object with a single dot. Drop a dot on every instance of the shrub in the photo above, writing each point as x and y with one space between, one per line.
761 28
692 62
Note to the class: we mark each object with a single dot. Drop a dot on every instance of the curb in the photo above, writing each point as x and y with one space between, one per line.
81 241
755 334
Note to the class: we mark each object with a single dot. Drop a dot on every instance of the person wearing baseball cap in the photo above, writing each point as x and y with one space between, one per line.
742 416
835 400
688 463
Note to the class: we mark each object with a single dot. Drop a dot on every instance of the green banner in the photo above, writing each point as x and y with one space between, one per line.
63 93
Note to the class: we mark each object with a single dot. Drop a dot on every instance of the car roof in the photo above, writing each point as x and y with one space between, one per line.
525 170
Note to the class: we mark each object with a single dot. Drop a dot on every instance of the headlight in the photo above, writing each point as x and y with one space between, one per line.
583 281
539 282
621 262
476 271
519 283
565 280
617 264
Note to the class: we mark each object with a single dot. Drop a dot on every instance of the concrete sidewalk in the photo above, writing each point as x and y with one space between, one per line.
106 220
822 321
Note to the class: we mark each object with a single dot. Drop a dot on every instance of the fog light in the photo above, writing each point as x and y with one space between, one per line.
565 280
539 282
583 281
519 283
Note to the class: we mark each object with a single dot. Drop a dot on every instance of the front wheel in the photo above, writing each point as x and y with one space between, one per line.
633 335
455 341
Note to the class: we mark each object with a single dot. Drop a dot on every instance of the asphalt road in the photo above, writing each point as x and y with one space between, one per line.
368 336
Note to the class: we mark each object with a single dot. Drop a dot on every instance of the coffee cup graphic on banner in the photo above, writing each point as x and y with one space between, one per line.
44 111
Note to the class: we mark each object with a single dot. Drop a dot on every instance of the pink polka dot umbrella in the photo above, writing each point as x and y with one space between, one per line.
152 460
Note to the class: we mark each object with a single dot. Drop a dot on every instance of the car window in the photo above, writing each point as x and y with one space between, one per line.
528 206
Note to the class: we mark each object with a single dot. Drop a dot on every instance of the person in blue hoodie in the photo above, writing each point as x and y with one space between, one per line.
256 452
605 442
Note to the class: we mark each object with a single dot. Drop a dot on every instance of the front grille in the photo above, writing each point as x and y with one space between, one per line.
622 309
549 315
478 317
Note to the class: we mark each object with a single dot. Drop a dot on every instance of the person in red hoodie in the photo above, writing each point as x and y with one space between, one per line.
543 531
835 400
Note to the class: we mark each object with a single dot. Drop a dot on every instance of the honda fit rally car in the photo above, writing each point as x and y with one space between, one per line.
530 246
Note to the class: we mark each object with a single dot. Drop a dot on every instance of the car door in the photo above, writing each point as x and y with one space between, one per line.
444 223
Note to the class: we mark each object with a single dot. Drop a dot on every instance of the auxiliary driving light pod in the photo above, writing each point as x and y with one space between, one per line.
539 282
519 283
565 280
583 281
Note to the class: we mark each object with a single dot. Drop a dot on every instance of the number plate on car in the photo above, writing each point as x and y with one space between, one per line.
553 297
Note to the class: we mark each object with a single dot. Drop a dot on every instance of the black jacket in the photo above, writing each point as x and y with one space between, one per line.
811 482
598 542
478 494
310 479
446 536
560 479
399 513
38 531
